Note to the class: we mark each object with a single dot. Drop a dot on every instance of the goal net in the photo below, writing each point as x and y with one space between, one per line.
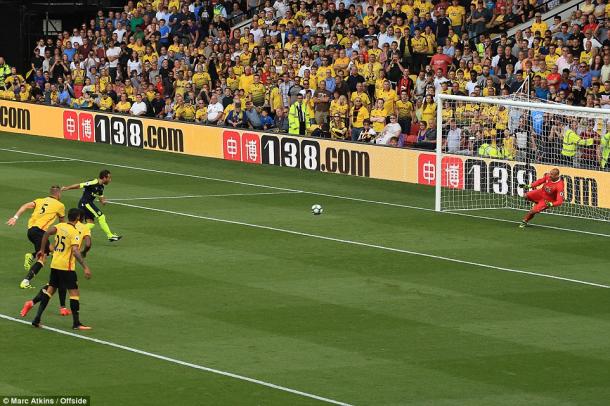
488 148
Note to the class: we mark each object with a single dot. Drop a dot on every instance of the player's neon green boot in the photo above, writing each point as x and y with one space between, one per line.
28 261
523 224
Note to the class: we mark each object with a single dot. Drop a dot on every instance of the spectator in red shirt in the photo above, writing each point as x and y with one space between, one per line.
440 61
554 77
591 24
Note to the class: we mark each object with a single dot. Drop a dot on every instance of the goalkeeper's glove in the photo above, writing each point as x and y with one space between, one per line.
527 188
549 204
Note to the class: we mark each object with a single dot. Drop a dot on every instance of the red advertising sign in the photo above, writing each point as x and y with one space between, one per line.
251 148
452 175
426 169
70 125
231 145
86 128
452 171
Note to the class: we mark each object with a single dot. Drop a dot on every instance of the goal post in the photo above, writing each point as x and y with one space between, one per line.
488 148
439 153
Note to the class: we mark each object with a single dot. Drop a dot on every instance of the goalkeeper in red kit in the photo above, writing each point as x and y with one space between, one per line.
549 195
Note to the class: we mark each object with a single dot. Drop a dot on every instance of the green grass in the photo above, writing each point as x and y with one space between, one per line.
358 324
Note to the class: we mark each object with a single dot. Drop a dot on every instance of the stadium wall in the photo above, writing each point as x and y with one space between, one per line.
590 188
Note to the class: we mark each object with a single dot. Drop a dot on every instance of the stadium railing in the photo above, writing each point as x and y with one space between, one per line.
564 10
241 19
547 12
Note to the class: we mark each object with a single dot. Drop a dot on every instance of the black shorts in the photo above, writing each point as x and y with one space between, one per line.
90 210
63 279
35 236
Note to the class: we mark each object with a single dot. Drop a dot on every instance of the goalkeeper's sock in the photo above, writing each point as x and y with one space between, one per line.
528 217
91 226
104 225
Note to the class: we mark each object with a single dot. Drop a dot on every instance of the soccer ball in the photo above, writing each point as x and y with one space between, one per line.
316 209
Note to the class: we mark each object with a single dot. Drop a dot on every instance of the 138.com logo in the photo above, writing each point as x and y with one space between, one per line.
292 152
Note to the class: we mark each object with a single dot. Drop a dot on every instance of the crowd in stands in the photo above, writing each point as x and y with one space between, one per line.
360 71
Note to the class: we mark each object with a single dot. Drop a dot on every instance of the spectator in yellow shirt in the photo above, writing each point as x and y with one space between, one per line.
539 26
456 14
378 116
428 109
419 44
339 106
123 105
246 80
389 97
105 102
338 130
358 114
360 94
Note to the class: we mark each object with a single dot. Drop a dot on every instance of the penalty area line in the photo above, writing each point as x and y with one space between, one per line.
368 245
354 199
179 362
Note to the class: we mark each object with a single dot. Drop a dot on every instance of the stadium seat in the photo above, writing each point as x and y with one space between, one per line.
414 129
411 139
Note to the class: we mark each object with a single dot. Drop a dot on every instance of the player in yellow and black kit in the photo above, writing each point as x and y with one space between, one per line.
85 246
91 190
44 213
63 274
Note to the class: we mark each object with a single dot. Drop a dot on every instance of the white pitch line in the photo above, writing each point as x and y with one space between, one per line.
364 244
40 161
236 182
197 196
179 362
355 199
533 225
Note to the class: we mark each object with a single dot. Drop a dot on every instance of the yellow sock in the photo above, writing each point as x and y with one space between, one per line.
104 225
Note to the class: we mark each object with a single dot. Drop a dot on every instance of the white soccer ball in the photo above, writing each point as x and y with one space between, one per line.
316 209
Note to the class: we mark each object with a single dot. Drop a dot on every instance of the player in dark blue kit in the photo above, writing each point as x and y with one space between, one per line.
91 190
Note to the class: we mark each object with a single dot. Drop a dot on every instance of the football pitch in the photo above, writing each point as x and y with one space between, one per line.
226 290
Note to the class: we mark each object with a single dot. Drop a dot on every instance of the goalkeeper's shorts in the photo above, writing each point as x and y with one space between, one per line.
540 198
